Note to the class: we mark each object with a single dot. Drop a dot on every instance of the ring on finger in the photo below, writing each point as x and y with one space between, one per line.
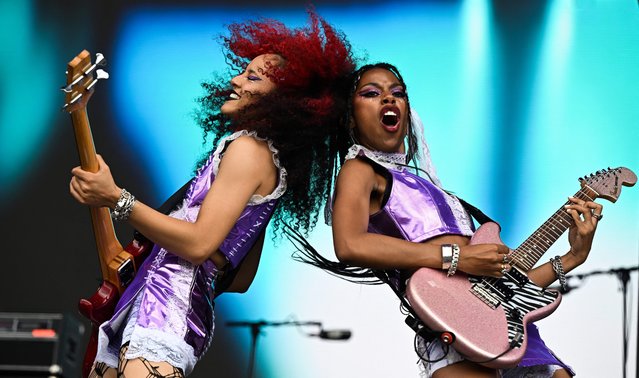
597 216
505 260
503 269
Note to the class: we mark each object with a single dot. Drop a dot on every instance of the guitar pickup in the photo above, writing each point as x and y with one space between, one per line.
500 287
126 272
518 277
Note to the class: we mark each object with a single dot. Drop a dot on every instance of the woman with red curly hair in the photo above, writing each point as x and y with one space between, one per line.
276 131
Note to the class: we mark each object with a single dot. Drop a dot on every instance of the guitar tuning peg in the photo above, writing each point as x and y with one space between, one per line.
101 74
100 60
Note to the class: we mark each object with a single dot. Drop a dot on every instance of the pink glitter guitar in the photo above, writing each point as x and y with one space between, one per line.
485 318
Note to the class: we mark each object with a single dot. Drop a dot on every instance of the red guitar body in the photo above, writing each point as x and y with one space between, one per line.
101 305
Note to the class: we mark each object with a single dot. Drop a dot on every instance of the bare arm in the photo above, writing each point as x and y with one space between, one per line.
355 245
246 168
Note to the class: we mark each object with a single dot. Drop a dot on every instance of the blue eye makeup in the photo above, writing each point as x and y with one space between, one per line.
253 78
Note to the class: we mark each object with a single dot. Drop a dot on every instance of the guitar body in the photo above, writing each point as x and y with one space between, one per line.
482 330
100 307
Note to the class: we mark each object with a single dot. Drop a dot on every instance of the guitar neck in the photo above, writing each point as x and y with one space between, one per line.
531 250
107 244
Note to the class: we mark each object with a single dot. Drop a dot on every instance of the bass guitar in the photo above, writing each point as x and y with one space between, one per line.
117 265
485 318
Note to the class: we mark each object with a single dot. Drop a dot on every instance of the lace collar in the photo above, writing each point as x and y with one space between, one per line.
393 160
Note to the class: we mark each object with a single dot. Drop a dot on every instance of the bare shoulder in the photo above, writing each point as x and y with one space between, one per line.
250 146
250 151
356 169
356 173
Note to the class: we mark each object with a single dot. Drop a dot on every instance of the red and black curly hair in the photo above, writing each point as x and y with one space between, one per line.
303 116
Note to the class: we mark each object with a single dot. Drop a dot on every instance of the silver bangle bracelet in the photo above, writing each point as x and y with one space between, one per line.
447 256
558 267
123 207
453 264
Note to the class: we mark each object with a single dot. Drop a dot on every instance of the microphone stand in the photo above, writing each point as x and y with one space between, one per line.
624 277
256 330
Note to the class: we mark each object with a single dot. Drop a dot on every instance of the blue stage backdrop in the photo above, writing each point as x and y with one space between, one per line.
518 101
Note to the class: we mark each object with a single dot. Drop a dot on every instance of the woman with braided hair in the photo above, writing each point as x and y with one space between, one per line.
276 131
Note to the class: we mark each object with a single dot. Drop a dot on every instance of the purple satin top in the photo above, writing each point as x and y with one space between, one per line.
417 210
166 313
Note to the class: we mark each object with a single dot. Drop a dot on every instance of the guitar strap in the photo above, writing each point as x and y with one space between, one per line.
475 212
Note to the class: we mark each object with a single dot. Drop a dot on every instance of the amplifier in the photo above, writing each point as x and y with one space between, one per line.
40 345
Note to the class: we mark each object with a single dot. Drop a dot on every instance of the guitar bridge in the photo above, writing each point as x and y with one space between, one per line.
485 296
126 272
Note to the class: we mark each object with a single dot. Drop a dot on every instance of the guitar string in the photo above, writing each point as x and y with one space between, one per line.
491 281
558 218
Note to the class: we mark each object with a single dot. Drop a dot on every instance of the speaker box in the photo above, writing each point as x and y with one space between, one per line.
40 345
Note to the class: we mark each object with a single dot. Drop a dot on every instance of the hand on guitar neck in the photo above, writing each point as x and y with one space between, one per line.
580 236
97 189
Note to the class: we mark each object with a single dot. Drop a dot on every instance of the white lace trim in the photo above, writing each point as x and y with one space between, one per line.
256 199
393 160
158 346
460 214
103 354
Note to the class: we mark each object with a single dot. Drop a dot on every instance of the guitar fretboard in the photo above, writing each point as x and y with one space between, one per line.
530 251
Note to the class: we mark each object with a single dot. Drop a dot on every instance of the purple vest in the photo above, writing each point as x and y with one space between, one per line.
171 291
246 230
416 210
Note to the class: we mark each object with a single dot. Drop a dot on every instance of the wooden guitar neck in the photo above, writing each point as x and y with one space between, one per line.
81 80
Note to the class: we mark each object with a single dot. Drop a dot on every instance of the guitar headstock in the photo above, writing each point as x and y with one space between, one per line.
82 75
607 183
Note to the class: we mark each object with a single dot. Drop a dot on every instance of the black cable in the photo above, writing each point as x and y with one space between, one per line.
421 356
511 346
